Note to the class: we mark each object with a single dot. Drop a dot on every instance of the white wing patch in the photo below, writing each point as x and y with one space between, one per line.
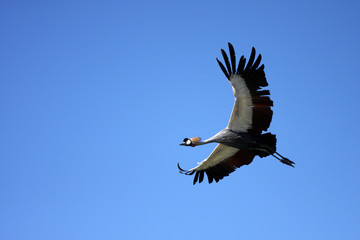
220 153
241 116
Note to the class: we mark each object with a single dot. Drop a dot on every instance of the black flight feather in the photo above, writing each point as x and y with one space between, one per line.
241 65
257 62
209 175
223 69
226 59
196 177
201 178
251 59
232 58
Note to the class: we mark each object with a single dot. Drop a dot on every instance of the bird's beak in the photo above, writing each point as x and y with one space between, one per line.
182 144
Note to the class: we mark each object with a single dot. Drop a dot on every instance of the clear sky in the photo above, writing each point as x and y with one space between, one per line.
95 97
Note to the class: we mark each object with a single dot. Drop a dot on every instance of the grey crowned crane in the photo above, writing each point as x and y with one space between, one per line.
242 139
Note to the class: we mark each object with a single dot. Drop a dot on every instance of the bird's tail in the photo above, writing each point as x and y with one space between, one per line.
268 140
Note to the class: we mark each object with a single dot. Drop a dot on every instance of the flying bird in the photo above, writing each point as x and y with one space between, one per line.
243 138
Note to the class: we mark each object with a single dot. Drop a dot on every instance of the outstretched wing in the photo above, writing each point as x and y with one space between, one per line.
252 109
221 162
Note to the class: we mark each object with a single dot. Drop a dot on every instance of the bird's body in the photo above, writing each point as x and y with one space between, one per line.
242 139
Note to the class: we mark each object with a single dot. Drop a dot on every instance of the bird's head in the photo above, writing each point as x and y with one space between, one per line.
190 141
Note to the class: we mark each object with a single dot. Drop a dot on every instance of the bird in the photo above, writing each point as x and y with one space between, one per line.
246 134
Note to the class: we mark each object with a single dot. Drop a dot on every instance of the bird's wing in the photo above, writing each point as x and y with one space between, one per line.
221 162
252 109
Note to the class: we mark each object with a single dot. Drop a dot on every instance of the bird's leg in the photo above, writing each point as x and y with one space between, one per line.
284 160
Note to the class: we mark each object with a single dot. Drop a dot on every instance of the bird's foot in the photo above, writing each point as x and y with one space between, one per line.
287 162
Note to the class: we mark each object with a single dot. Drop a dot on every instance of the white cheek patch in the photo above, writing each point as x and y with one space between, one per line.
188 142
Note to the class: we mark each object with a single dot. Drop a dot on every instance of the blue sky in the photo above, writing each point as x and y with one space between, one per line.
95 97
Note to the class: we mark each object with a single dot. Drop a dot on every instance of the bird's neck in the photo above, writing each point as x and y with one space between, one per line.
202 142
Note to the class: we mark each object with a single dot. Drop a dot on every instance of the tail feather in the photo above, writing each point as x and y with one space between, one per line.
269 140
